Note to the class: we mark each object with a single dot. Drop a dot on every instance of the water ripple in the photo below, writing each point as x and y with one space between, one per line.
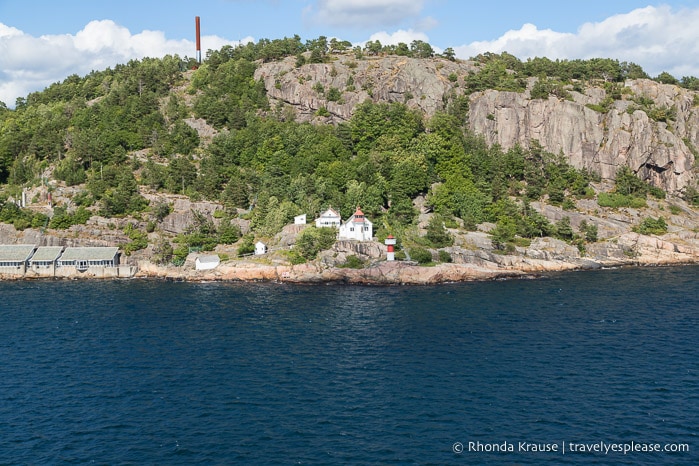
128 372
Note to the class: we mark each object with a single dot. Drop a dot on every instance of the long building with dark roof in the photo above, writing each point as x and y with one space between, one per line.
14 257
83 257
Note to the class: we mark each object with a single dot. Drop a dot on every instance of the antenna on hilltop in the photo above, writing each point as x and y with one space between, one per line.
198 28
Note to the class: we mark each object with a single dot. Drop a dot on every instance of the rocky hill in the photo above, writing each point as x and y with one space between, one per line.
240 170
662 152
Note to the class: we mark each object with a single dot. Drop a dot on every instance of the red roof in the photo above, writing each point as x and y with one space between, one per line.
358 215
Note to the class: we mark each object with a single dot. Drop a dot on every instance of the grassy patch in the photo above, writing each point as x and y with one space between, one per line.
616 200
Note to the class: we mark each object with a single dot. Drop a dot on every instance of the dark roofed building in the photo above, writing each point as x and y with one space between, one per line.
15 256
45 256
83 257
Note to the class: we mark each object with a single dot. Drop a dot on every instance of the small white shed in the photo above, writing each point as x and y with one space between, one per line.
207 262
300 219
260 248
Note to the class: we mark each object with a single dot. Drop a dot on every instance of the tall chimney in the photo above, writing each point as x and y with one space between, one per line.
196 21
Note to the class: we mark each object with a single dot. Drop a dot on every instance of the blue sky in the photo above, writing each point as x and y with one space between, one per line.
43 41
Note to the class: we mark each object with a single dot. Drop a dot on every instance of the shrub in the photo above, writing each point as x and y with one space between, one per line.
522 242
568 204
353 262
295 258
651 226
313 240
247 246
62 220
333 94
504 232
162 252
444 256
691 195
628 183
139 240
589 230
563 229
656 192
421 255
616 200
437 234
540 90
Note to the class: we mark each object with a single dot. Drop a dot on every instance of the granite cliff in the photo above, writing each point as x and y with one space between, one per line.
622 134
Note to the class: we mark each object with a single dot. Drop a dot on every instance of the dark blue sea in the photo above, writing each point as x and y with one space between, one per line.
591 367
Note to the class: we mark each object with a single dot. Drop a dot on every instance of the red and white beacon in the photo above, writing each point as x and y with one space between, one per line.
390 241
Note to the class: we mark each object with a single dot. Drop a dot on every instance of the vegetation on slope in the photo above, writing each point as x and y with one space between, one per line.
86 131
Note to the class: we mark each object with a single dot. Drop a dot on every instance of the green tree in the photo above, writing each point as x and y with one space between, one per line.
503 233
228 233
589 230
437 233
564 230
247 245
313 240
162 252
666 78
652 226
629 184
421 255
421 49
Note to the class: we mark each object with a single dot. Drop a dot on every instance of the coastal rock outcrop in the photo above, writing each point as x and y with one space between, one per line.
581 128
420 83
600 142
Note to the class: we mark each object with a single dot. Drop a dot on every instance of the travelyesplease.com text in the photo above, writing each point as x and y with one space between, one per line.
565 447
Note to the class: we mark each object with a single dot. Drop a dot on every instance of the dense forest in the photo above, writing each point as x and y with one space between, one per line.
86 131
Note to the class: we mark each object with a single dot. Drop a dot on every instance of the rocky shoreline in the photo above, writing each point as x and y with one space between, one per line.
472 256
473 259
381 273
479 265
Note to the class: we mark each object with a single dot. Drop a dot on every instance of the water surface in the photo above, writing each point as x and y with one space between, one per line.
150 372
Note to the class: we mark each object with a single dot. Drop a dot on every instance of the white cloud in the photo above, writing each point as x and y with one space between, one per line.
657 38
29 64
364 13
399 36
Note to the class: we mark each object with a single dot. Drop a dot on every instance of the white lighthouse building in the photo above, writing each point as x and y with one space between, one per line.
357 227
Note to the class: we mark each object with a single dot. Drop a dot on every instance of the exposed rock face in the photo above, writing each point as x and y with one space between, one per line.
599 142
421 83
363 250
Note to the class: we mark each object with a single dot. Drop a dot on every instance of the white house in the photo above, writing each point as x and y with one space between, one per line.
300 219
357 227
329 218
260 248
207 262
